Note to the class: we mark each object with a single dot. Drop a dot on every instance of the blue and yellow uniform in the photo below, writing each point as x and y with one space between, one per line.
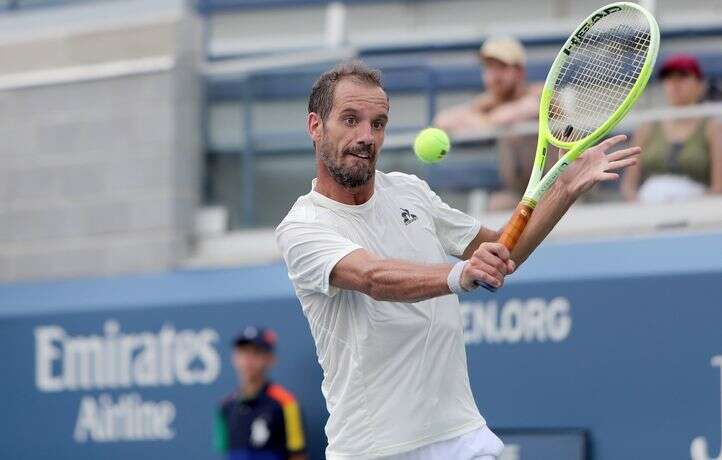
267 427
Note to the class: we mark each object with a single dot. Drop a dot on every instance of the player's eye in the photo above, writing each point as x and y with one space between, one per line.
378 124
350 121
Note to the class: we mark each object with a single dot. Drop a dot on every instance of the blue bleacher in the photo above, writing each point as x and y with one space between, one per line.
415 76
408 75
409 69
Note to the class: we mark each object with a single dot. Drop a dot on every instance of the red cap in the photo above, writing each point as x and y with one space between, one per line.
683 63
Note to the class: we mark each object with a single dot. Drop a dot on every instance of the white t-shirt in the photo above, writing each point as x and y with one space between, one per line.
395 375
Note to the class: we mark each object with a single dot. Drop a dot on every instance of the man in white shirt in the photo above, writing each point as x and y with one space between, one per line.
367 253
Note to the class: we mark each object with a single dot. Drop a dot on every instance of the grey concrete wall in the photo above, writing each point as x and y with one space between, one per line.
99 172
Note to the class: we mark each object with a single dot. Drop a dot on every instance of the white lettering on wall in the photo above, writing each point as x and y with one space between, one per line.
517 320
45 354
117 360
128 419
698 449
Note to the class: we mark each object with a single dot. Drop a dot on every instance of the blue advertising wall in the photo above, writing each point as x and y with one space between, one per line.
613 347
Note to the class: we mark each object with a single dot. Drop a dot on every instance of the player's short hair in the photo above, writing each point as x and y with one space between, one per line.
321 99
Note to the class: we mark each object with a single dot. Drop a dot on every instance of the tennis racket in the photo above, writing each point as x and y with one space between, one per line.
593 83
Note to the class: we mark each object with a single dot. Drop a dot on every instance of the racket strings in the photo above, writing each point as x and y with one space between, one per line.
603 81
598 74
601 72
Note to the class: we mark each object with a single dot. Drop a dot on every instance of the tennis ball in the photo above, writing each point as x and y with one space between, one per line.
431 145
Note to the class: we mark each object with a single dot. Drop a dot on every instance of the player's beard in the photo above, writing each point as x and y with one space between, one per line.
358 173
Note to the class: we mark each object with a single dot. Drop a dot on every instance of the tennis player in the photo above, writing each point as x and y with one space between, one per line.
367 253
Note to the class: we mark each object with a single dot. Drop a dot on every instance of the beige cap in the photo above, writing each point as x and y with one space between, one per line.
505 49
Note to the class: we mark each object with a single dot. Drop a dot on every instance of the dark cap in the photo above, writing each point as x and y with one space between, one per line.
682 63
263 338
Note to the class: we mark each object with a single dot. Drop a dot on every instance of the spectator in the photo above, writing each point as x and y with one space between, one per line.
681 157
260 420
507 99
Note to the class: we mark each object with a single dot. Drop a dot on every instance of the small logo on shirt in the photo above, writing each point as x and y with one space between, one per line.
407 216
260 432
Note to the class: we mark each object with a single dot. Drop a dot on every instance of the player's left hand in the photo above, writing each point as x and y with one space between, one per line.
595 165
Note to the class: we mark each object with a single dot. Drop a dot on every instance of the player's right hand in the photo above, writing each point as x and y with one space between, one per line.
488 264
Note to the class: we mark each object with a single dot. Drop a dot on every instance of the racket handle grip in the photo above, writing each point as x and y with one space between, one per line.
486 286
511 234
516 225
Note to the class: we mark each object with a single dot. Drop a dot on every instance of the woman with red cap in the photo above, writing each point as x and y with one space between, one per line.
683 156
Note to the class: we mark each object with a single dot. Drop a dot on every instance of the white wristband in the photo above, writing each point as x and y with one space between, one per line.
454 278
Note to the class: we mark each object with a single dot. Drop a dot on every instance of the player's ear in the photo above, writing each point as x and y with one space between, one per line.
314 125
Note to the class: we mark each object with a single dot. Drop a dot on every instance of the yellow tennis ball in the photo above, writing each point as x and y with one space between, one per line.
431 145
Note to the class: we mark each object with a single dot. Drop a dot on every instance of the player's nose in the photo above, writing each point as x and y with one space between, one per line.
365 134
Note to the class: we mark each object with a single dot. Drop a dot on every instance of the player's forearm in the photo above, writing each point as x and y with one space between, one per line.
402 281
548 212
390 279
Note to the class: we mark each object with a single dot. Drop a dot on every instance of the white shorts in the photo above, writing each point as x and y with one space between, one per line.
480 444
